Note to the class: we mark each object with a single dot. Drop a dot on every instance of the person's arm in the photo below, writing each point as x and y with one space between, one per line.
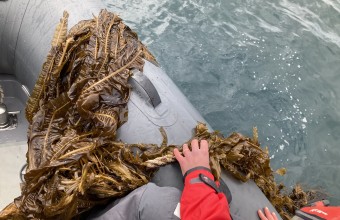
201 199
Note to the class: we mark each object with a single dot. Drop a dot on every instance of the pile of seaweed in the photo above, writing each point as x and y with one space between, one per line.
79 101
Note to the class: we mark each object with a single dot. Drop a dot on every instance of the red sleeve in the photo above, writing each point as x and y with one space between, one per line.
319 210
201 202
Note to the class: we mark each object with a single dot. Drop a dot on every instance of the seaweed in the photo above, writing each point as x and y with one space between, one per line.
78 103
1 95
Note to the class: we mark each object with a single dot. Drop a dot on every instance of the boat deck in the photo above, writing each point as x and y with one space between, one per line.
13 142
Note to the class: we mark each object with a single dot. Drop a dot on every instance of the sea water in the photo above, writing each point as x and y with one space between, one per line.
271 64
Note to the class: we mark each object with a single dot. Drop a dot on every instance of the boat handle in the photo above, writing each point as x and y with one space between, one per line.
145 83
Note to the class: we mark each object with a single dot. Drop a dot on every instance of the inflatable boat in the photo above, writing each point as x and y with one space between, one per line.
26 29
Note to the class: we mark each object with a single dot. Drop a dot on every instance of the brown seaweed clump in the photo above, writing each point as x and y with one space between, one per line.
79 101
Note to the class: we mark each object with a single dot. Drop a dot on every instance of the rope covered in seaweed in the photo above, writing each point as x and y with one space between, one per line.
78 103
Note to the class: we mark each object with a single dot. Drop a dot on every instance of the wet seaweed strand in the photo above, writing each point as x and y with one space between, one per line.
79 101
1 95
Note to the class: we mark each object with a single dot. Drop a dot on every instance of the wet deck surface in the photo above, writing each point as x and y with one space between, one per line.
12 159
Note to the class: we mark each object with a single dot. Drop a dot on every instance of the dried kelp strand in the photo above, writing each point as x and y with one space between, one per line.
78 103
1 95
61 31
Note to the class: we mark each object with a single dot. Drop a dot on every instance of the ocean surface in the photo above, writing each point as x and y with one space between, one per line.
271 64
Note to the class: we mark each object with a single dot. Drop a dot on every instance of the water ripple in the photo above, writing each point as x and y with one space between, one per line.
309 20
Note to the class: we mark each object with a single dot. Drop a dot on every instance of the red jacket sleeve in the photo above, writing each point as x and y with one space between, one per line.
201 202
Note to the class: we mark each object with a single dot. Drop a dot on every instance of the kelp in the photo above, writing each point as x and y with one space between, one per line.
80 100
1 95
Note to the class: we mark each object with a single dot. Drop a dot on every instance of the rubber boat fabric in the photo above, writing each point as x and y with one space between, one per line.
23 22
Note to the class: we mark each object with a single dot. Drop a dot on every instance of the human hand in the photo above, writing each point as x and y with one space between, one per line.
199 156
267 215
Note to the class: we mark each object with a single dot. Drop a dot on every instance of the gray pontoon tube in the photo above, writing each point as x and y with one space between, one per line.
26 29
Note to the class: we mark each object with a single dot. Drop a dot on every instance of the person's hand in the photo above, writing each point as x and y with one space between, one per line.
199 156
267 215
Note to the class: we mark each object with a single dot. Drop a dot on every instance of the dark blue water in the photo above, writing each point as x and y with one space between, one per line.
271 64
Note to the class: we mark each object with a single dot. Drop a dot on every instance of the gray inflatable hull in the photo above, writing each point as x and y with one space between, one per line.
26 29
